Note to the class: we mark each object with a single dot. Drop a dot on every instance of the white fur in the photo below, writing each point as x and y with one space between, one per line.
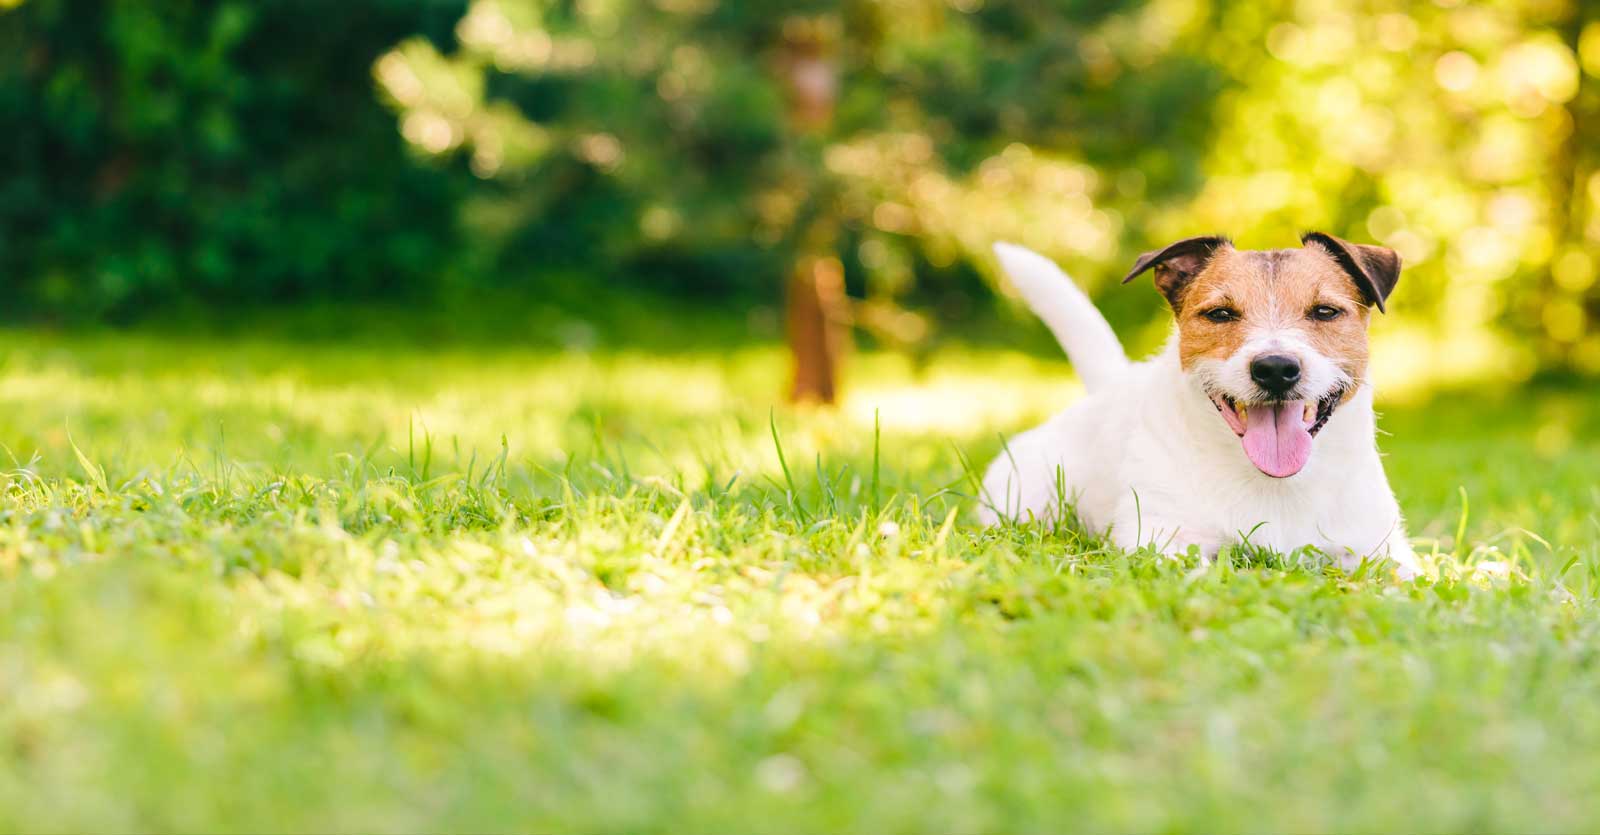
1080 328
1146 457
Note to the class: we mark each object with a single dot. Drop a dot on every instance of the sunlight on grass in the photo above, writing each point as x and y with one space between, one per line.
567 591
959 394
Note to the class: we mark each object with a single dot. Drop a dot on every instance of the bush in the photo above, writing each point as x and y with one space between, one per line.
224 153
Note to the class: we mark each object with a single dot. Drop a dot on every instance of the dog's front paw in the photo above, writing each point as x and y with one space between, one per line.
1404 561
1168 539
1394 557
1206 547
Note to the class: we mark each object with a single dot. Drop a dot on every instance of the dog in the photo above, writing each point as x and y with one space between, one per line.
1254 425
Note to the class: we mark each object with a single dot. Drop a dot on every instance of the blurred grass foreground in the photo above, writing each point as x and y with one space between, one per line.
395 433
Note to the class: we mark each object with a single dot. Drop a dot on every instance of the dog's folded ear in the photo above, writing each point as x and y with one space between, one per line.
1374 269
1177 263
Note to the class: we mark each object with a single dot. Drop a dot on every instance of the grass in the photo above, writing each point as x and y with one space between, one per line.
269 584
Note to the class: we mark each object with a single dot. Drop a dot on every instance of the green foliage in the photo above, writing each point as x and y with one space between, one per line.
671 135
225 152
1461 134
1464 136
234 153
310 585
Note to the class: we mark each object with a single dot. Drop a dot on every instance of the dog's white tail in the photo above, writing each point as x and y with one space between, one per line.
1082 331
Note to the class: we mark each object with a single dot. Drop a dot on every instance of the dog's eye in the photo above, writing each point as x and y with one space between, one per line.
1221 314
1326 313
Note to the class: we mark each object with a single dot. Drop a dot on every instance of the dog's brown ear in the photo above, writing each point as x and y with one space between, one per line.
1374 269
1176 264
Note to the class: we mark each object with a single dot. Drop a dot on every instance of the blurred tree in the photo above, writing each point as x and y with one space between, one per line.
816 308
862 154
835 142
1462 134
227 152
1575 196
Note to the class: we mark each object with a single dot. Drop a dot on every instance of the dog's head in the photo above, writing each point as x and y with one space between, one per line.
1277 338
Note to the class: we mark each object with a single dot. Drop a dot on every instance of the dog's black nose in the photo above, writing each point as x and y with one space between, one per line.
1275 373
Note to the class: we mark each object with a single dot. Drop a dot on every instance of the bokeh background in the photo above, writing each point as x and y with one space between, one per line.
830 170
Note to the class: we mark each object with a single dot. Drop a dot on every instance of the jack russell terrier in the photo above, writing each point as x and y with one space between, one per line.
1254 424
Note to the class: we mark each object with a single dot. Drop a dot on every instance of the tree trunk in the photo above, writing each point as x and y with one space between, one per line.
817 321
1573 220
817 309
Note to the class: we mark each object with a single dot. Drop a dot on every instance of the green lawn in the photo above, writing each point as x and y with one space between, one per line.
394 586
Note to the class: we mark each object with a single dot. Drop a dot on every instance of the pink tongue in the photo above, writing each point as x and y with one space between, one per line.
1277 439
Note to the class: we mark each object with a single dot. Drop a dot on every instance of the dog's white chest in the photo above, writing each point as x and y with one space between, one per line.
1142 463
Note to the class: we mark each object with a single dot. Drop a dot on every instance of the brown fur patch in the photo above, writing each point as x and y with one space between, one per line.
1274 289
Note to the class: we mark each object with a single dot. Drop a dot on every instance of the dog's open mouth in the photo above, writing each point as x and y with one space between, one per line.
1277 436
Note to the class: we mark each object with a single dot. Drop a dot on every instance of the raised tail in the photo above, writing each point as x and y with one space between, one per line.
1082 331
